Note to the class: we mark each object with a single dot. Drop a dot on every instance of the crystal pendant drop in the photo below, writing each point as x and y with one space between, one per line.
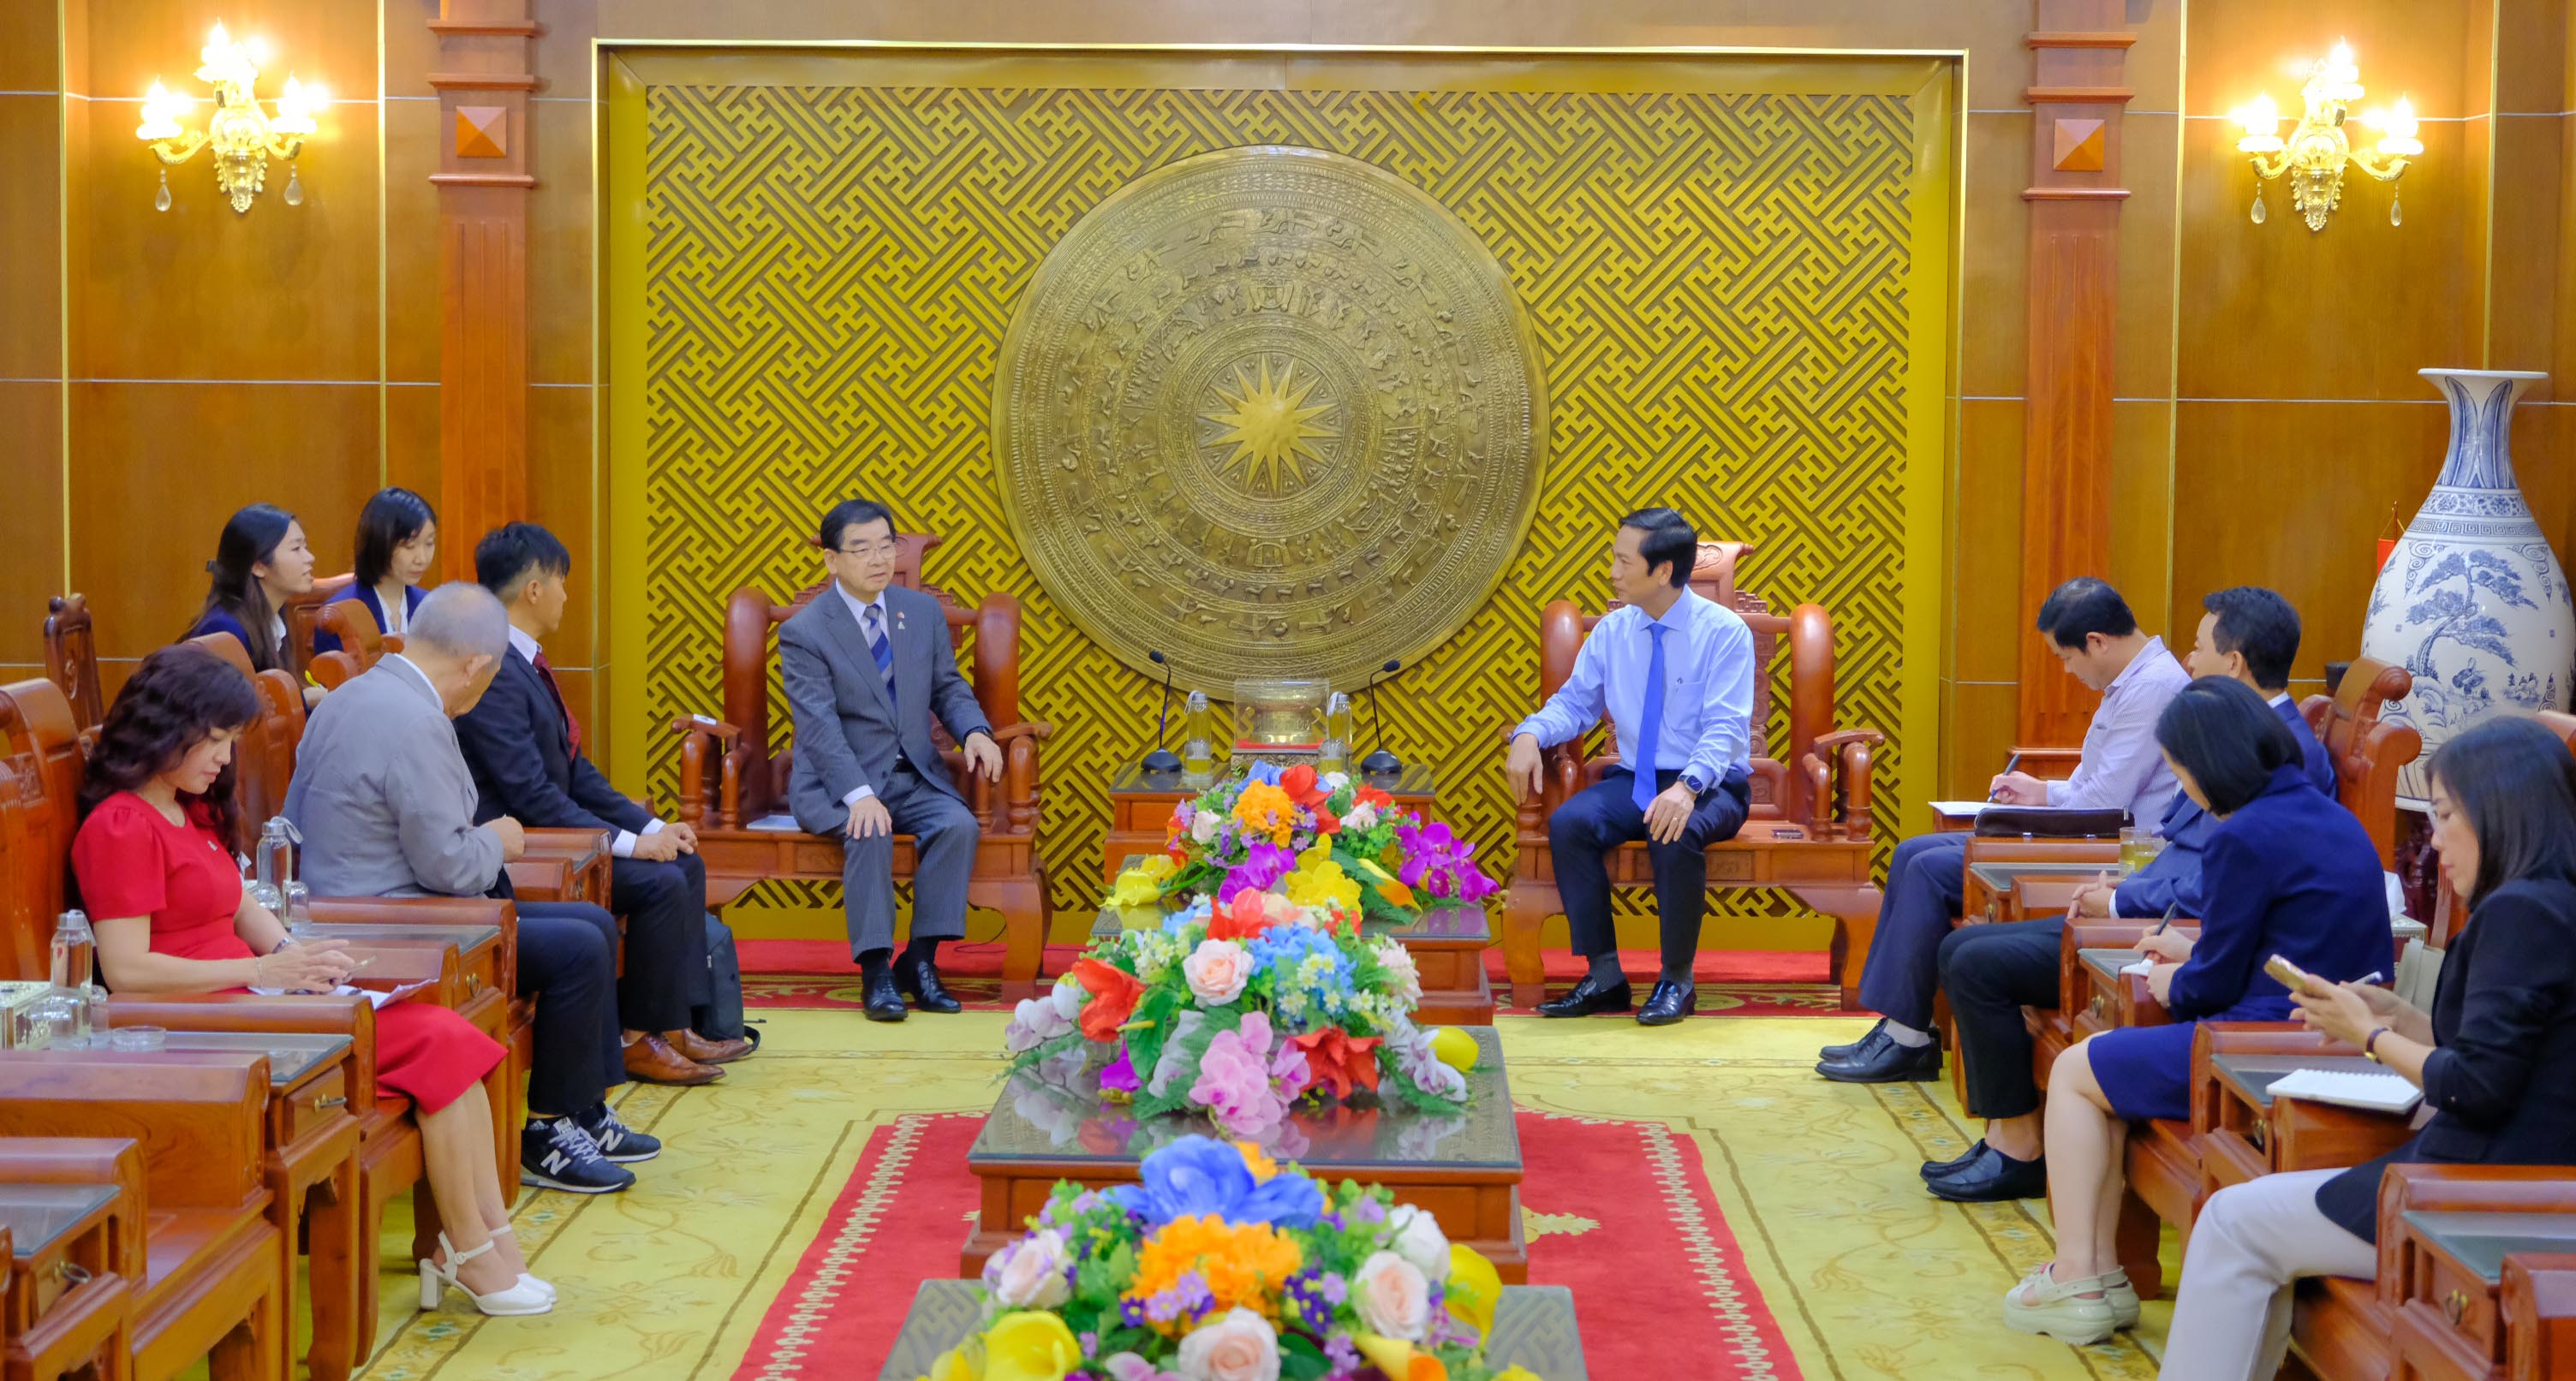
2396 212
161 201
2259 212
294 186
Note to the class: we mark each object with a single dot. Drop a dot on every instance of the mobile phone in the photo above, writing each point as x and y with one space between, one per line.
2291 976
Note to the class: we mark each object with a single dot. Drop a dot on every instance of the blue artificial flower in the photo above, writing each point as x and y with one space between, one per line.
1266 773
1196 1177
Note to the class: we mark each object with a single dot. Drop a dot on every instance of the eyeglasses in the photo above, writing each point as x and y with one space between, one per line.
869 549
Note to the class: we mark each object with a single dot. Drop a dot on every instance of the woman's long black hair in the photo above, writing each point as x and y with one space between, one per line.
2515 783
394 516
2228 739
179 697
250 537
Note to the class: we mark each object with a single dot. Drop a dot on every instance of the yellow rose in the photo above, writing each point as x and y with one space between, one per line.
1029 1346
1474 1288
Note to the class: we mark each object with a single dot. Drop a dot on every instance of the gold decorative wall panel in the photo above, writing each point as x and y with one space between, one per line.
1721 270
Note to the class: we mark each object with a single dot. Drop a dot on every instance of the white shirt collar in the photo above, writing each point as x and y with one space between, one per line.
525 645
859 607
2282 699
1676 614
407 664
2137 665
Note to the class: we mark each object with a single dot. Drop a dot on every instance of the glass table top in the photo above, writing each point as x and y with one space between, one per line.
464 937
2255 1074
1460 923
1415 780
2108 961
1055 1116
1534 1328
39 1214
2481 1241
291 1055
1999 875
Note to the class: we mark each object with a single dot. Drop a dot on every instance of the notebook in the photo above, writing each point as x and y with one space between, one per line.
2350 1088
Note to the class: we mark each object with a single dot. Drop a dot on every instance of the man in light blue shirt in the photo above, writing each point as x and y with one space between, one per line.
1674 672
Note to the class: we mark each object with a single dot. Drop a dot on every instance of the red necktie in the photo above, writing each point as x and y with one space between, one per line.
572 726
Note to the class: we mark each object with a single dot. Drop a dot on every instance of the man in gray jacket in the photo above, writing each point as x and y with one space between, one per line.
385 803
866 665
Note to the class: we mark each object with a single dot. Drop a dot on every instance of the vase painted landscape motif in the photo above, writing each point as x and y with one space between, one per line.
2473 602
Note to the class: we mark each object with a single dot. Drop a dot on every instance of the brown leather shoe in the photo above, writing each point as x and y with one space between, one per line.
651 1060
705 1051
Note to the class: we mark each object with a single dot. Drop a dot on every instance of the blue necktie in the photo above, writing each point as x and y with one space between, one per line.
878 649
1650 728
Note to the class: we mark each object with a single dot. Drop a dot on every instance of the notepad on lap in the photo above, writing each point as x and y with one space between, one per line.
1963 807
2351 1089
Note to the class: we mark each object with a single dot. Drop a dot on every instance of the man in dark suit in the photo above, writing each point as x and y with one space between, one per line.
524 747
867 665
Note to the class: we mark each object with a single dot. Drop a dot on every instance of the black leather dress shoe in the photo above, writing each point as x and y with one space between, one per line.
1890 1063
1934 1169
1590 996
1835 1054
918 979
1992 1178
885 1001
1668 1003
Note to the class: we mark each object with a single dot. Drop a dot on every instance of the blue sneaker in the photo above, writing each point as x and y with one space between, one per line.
560 1155
617 1141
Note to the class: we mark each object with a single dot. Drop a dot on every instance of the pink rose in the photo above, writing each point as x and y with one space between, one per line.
1031 1273
1234 1079
1217 971
1392 1297
1242 1346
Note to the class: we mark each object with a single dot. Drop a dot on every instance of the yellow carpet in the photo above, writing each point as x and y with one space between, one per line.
1868 1276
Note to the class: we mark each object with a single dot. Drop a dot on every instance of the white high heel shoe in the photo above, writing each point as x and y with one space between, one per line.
520 1298
545 1288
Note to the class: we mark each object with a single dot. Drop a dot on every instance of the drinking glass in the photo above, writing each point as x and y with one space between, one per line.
138 1038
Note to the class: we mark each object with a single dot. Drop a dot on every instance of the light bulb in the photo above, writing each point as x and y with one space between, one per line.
2262 122
158 112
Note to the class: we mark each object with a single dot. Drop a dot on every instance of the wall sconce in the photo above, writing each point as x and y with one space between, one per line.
2315 154
244 137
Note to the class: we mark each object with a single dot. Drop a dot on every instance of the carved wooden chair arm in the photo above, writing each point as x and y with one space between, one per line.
700 724
1840 737
563 865
1841 781
317 1014
699 736
1024 729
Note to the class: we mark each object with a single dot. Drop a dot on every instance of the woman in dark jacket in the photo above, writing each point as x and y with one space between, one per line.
2496 1057
397 541
2285 871
260 562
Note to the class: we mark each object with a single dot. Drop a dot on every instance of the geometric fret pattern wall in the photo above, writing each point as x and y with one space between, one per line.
1717 284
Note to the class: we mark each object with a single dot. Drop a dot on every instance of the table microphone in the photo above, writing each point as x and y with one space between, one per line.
1381 763
1162 761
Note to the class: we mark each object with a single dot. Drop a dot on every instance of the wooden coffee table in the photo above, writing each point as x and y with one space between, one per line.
1533 1328
1448 945
1464 1169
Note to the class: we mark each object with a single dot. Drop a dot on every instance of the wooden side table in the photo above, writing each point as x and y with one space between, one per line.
2453 1320
1141 806
67 1308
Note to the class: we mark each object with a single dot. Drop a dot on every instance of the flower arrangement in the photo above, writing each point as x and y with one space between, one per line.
1223 1265
1316 838
1239 1010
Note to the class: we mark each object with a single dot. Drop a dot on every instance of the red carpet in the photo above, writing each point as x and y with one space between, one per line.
1603 1198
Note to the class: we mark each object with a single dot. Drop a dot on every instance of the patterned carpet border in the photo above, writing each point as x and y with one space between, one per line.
819 992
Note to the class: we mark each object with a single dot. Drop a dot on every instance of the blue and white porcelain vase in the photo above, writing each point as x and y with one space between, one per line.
2473 602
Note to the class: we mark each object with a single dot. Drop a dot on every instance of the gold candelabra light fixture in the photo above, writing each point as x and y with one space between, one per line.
2316 152
243 134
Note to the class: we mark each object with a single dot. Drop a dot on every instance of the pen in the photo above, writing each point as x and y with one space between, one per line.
2168 920
2009 764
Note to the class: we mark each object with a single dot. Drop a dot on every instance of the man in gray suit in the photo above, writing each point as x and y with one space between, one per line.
385 803
866 666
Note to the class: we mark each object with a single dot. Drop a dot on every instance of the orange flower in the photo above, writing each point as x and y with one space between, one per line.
1265 811
1338 1060
1242 1264
1257 1161
1114 995
1395 891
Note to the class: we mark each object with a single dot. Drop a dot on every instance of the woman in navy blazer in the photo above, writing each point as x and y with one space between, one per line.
2496 1057
260 561
2286 871
397 541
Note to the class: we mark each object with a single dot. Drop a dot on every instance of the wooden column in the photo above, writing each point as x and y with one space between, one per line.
2076 98
483 76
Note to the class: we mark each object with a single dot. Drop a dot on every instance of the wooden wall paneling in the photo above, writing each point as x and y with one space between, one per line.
1994 260
2523 233
31 272
2077 99
2142 503
411 446
559 496
413 287
483 80
1990 626
31 523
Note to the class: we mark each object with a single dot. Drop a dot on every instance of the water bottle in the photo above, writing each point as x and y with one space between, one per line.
275 862
75 957
1198 747
1336 756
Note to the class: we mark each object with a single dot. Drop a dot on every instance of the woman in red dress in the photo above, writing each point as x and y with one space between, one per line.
171 915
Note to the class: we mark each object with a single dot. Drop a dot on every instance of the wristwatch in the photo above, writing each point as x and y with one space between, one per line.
1691 780
2370 1044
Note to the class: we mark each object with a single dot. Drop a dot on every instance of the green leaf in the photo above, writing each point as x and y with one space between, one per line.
1301 1360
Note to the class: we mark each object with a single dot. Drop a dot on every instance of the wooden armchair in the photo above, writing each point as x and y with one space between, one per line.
1809 827
71 658
208 1271
750 775
2368 753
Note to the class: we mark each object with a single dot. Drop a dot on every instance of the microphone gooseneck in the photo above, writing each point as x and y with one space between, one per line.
1162 760
1381 763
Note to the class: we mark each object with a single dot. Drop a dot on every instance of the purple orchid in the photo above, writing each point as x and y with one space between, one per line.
1262 868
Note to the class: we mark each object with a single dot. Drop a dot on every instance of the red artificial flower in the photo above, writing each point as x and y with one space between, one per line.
1338 1060
1244 918
1114 995
1371 796
1326 822
1302 787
